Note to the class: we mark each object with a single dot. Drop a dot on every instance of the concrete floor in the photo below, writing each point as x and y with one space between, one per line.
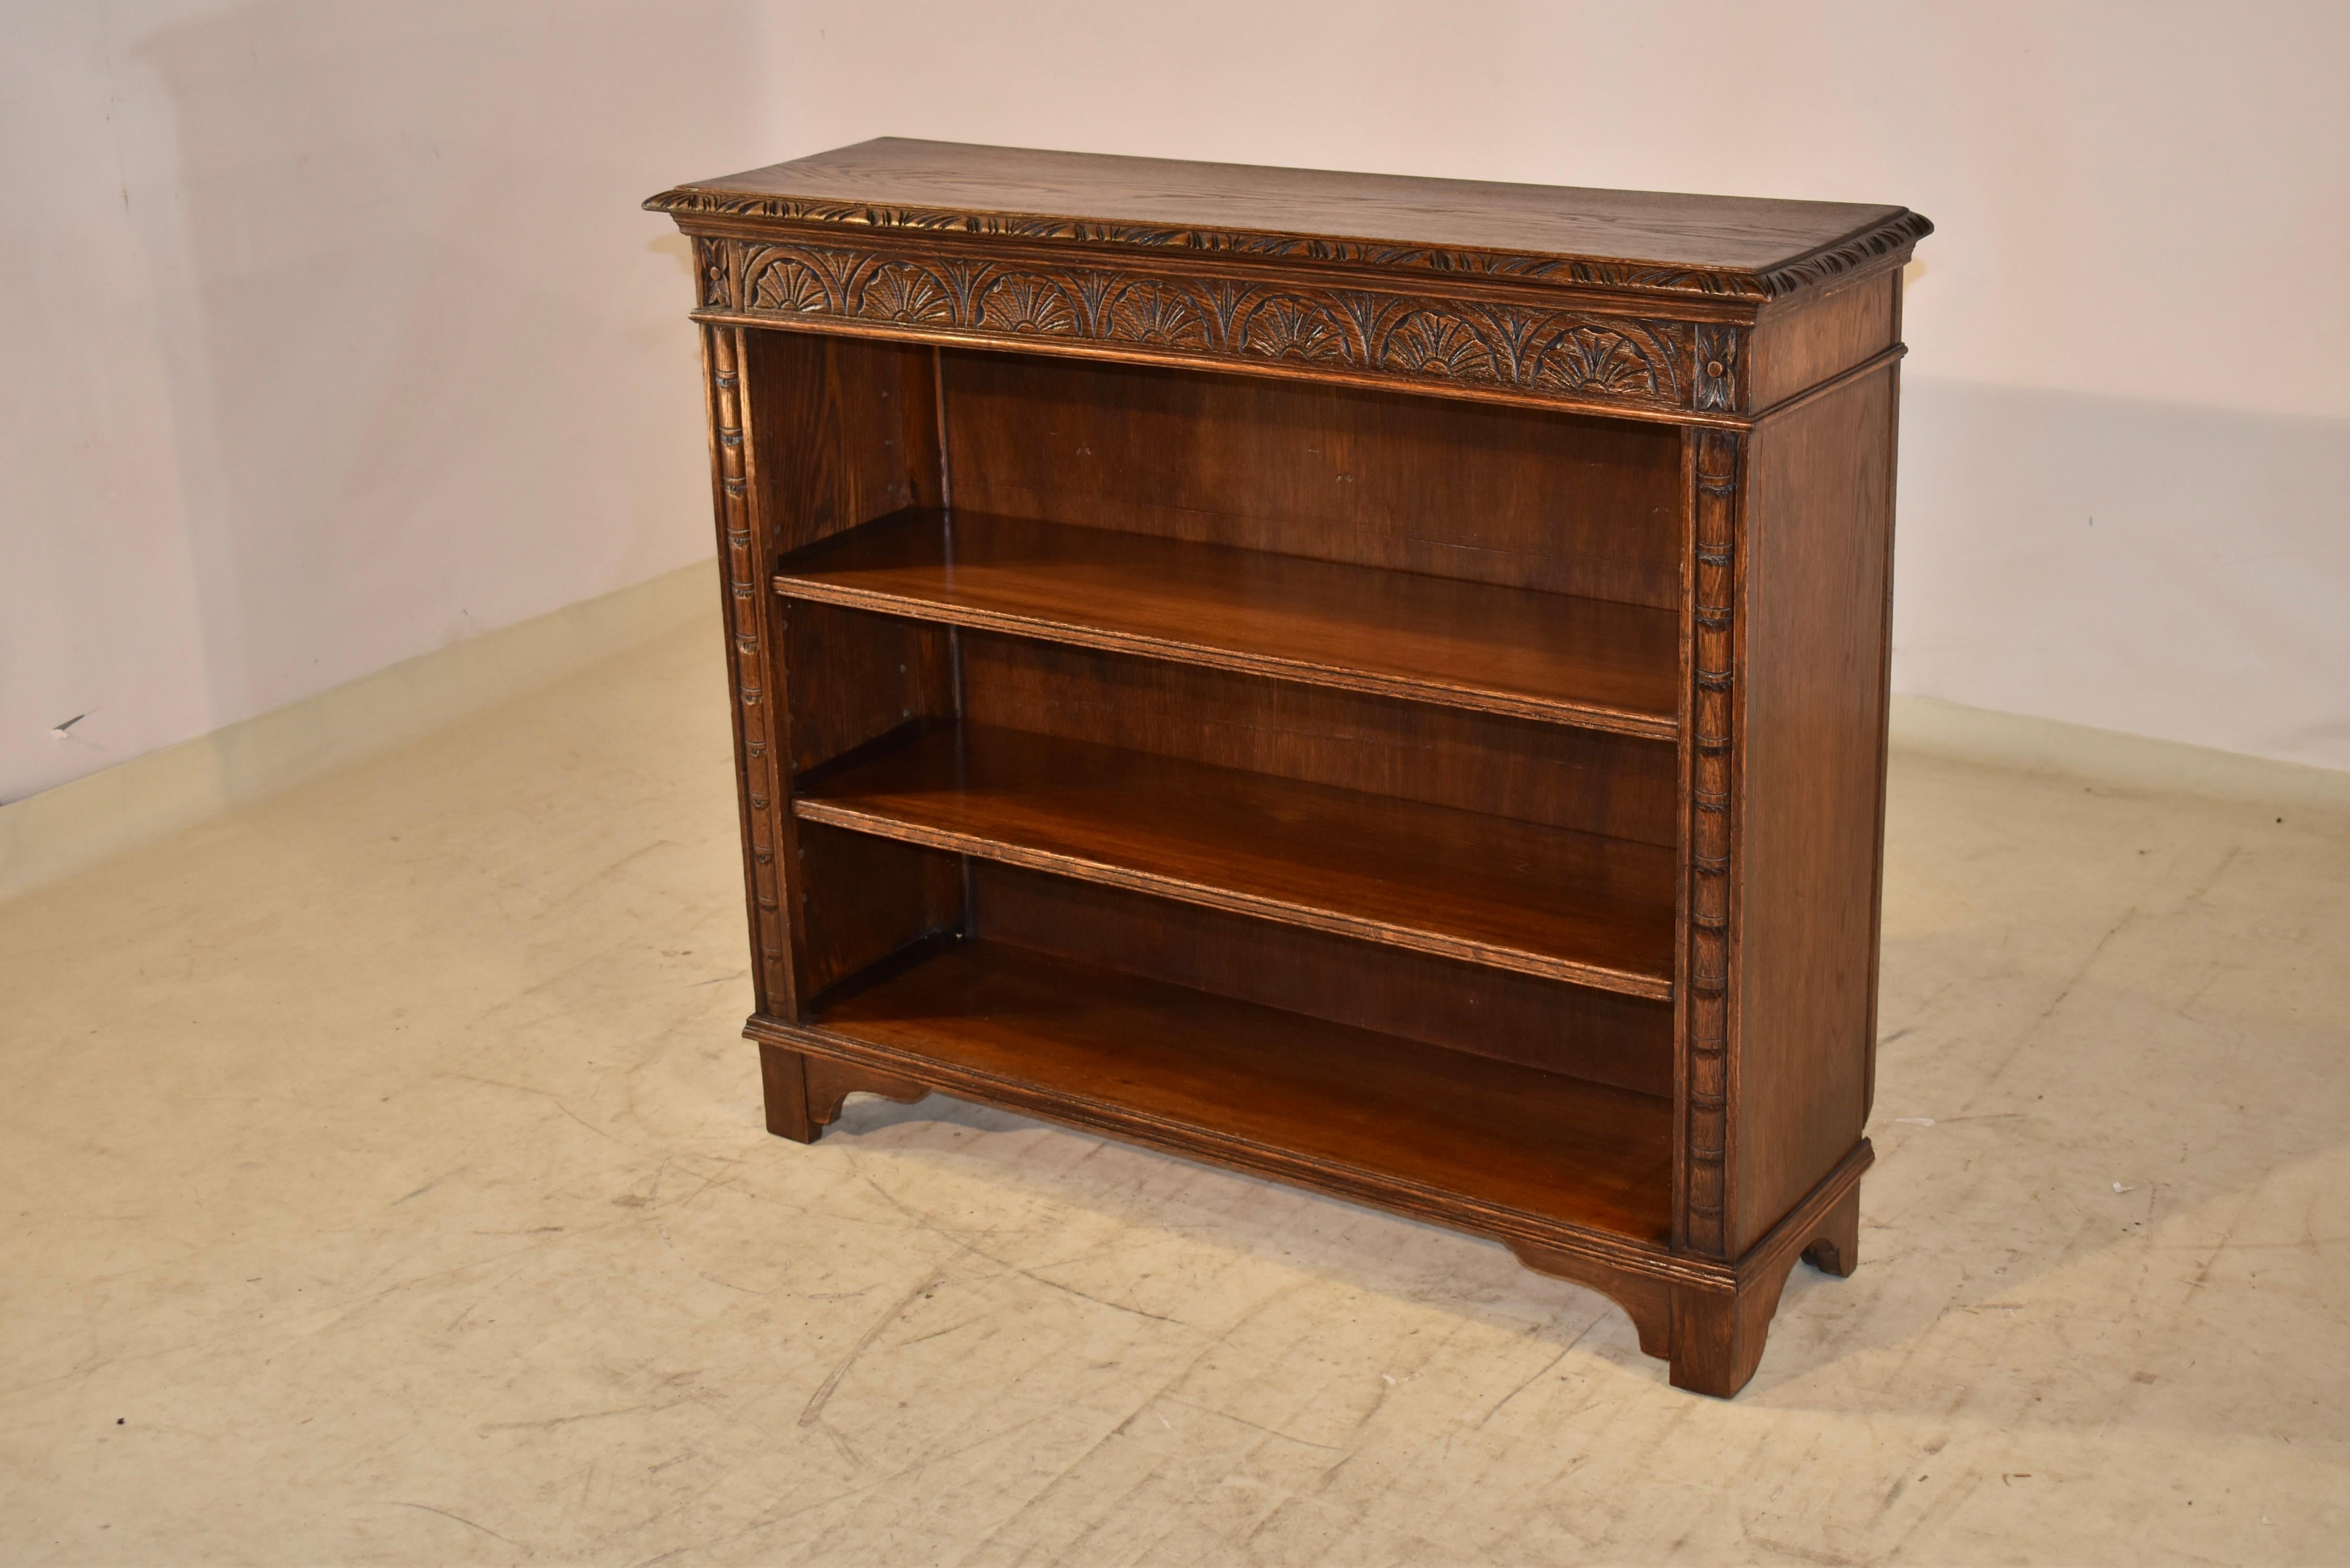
386 1186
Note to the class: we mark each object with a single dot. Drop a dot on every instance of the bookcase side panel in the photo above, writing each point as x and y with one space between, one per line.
1817 516
1796 344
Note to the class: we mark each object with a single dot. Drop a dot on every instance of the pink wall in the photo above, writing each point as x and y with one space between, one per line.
334 336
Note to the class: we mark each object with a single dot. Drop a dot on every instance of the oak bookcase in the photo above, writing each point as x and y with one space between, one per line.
1376 683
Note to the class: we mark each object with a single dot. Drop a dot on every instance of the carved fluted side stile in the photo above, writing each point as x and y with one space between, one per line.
1714 658
1574 356
746 628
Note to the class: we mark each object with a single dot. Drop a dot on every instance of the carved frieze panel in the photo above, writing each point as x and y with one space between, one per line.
1574 355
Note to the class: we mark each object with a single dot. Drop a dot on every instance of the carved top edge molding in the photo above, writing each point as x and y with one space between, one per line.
1849 253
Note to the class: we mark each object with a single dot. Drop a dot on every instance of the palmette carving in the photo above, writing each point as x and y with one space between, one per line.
1713 611
1575 356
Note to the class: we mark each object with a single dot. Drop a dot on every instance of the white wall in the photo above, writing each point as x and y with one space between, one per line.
333 333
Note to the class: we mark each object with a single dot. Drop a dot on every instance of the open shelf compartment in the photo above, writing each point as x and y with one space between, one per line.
1287 775
1487 889
1476 645
1257 1086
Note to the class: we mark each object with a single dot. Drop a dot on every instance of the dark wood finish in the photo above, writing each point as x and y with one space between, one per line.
1455 884
859 422
1378 684
1804 342
1439 487
782 1080
1717 1334
1647 240
1596 1034
1819 491
877 896
1630 302
1276 1086
761 768
1706 910
1502 651
1554 774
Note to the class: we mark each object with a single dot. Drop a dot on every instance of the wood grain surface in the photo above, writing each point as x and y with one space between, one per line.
1504 651
1436 486
1484 890
1701 244
1564 1149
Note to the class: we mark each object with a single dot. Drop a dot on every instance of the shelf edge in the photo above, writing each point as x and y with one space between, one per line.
1397 1194
1460 949
1608 720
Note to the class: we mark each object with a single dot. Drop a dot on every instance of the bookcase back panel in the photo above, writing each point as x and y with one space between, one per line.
851 678
1533 772
1592 1034
877 897
842 431
1442 486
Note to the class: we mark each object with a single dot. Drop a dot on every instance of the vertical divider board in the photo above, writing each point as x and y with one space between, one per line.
1587 969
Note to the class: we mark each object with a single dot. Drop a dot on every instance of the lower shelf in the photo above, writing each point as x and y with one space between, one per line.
1387 1117
1461 885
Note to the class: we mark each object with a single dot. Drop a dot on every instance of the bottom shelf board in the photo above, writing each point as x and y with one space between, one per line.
1178 1062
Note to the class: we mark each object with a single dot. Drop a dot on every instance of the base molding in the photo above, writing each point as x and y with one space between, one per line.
1714 1331
1708 1319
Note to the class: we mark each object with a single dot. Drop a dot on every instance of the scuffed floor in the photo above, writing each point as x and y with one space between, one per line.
386 1185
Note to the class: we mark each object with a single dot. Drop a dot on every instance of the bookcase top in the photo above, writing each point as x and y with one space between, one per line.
1643 241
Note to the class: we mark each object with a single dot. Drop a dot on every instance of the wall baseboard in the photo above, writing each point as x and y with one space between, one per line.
49 836
1951 732
2145 567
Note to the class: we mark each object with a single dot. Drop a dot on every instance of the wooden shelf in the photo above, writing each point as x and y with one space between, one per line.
1265 1089
1459 884
1603 666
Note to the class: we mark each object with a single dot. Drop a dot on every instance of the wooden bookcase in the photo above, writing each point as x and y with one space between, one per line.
1377 683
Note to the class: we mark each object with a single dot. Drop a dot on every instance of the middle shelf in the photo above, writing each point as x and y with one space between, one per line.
1463 885
1548 656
